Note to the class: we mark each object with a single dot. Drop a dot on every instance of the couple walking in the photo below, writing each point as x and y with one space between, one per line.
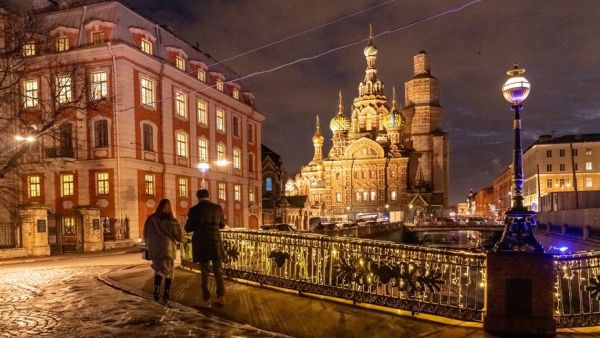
162 232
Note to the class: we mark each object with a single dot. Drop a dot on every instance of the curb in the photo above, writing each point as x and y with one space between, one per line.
63 257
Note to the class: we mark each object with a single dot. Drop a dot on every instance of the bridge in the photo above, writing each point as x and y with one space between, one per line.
453 227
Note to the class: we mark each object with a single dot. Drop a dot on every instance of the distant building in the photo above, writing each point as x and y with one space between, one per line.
274 178
383 161
484 203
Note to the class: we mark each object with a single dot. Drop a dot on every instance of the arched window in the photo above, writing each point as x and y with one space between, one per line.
268 184
202 150
181 144
220 151
148 137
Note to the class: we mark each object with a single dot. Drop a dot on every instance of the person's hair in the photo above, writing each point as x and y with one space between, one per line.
164 209
202 193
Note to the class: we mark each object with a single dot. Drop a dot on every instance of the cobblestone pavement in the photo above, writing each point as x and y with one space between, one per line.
72 302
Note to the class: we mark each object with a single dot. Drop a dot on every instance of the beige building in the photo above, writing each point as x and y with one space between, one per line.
383 161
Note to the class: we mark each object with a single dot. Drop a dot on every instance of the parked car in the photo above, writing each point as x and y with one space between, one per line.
346 225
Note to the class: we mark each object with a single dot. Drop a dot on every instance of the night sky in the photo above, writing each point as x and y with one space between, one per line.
557 41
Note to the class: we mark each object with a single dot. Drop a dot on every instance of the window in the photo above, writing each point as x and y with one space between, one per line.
101 133
97 38
65 137
373 195
221 191
148 137
180 104
236 158
561 153
548 153
588 151
251 163
561 182
180 63
574 152
149 184
62 44
102 183
236 126
220 85
588 165
63 89
99 86
182 144
548 167
147 93
34 186
338 197
30 94
67 184
250 133
202 112
146 46
29 49
588 182
268 184
202 150
237 192
251 197
549 183
365 196
220 151
220 119
358 196
183 187
236 93
562 167
394 195
68 225
201 75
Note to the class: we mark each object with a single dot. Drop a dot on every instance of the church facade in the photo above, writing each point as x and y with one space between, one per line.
384 160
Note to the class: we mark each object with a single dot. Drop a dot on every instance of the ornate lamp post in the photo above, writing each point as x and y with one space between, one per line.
519 222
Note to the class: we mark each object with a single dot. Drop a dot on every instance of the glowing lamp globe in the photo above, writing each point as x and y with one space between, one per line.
516 88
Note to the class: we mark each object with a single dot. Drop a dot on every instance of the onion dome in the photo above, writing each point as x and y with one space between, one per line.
339 122
317 137
396 119
370 50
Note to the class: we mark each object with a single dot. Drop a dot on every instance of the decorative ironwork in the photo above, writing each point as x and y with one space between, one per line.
441 282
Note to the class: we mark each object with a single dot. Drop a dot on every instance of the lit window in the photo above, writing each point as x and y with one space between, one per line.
29 49
220 85
63 89
67 185
68 225
183 187
220 119
561 167
148 137
222 191
181 144
102 183
548 153
101 133
97 37
180 104
236 158
201 75
549 183
34 186
149 184
30 94
358 196
561 182
236 126
220 151
251 197
588 165
251 163
236 94
147 94
365 196
338 197
202 112
373 195
180 63
237 192
588 151
394 195
99 86
268 184
146 46
62 43
202 150
250 133
588 182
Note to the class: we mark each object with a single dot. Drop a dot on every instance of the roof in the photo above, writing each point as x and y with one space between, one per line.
266 151
573 138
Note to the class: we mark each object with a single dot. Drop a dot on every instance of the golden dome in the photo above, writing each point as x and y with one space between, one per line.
370 50
317 137
395 119
339 122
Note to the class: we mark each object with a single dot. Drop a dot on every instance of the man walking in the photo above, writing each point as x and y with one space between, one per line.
205 219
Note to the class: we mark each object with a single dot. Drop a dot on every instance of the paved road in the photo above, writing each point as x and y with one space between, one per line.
65 299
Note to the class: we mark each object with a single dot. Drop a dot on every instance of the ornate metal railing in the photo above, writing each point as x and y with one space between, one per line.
417 279
577 289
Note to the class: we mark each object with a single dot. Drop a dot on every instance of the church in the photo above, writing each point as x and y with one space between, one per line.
385 160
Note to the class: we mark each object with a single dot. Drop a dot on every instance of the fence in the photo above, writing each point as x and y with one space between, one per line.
10 234
417 279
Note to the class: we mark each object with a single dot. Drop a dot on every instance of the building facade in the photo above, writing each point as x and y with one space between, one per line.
274 178
161 108
383 160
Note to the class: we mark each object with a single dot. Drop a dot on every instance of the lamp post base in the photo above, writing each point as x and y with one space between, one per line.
518 233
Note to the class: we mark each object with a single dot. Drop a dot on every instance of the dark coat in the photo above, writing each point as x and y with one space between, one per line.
205 219
161 236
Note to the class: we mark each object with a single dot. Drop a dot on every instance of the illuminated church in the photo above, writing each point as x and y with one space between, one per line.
384 160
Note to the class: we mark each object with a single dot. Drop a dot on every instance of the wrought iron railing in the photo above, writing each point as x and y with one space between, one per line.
417 279
577 289
10 234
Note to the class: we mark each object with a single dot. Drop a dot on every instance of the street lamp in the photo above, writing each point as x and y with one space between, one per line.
519 222
203 167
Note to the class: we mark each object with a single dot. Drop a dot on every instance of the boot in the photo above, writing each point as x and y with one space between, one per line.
167 289
157 281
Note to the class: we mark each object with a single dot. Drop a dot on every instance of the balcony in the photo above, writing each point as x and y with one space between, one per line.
60 152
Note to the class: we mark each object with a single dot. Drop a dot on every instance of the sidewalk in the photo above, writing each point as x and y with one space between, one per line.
69 255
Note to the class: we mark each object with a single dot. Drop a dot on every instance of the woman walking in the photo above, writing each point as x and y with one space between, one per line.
161 233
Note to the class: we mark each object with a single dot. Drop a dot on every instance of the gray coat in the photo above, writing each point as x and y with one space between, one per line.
205 219
161 236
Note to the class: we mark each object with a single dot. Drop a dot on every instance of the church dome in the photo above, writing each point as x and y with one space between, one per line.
339 123
318 138
370 50
395 120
